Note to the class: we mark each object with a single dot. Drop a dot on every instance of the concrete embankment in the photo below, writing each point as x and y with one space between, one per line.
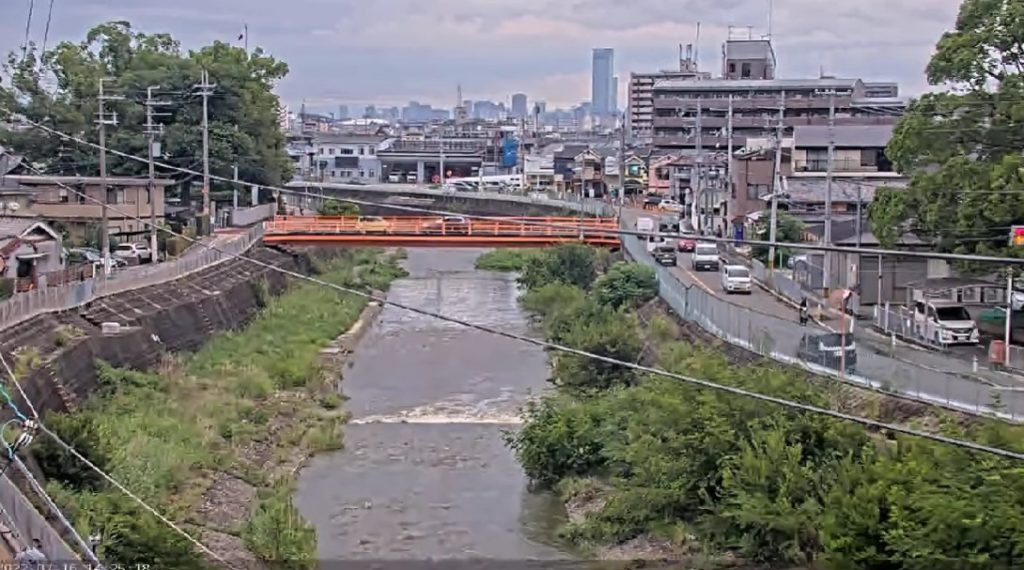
55 354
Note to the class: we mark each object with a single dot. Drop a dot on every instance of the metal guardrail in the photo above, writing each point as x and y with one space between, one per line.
23 306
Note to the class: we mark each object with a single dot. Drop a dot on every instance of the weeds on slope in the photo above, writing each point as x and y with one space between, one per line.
252 403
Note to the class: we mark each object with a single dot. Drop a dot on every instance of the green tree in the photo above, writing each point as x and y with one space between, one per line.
244 126
571 264
787 229
961 147
338 208
626 285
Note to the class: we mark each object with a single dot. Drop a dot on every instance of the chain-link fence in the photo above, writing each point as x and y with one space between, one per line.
827 352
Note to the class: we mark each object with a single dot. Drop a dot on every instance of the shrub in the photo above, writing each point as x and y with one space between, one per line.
626 285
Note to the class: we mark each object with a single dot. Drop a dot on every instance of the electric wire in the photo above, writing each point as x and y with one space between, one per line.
28 30
46 33
67 447
564 225
547 345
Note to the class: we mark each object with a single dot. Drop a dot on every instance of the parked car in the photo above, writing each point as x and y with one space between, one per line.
736 279
824 350
670 206
372 225
944 323
687 245
138 251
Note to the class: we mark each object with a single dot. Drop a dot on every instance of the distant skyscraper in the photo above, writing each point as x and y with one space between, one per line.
342 112
519 106
602 81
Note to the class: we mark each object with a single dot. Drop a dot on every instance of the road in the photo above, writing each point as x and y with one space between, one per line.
764 321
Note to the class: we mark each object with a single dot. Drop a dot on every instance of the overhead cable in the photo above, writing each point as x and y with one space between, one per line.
867 422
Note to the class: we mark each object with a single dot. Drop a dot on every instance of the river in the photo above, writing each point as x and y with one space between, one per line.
425 473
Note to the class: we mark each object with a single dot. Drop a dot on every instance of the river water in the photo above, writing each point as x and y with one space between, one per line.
425 473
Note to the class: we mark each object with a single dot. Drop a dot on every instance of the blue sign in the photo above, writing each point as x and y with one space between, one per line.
737 231
509 152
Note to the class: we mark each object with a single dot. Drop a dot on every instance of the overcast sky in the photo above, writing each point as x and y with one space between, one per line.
389 52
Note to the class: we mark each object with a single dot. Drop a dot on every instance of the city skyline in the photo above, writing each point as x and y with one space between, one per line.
362 57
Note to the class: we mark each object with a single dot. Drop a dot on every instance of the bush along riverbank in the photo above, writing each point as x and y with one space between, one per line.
214 439
653 467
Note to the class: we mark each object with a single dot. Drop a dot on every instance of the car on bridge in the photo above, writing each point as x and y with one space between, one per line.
665 254
372 225
448 225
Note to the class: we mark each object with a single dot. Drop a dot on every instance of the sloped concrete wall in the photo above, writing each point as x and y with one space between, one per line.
172 317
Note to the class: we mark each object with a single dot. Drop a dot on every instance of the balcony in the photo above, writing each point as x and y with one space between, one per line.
840 167
749 103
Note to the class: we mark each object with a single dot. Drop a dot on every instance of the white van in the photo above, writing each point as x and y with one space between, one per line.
705 257
944 322
736 279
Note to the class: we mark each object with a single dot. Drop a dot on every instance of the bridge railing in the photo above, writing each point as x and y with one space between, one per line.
523 226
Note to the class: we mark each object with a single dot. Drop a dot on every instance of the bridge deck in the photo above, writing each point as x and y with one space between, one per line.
436 232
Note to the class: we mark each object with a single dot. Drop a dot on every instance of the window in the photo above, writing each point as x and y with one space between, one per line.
373 151
732 67
320 150
868 157
115 196
755 191
362 150
345 151
745 70
330 151
372 174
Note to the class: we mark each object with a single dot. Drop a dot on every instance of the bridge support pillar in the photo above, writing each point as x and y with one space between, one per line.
421 172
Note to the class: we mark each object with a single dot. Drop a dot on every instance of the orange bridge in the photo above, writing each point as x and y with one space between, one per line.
410 231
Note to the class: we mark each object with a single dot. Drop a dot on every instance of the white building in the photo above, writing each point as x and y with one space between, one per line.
348 157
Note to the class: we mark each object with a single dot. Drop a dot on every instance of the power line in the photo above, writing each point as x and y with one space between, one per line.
618 232
590 355
56 438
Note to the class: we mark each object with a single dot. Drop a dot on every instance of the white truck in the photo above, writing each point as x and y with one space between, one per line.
647 225
705 257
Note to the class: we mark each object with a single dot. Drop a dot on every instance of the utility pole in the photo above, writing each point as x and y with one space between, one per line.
776 182
698 192
622 164
102 121
827 273
728 160
205 90
152 130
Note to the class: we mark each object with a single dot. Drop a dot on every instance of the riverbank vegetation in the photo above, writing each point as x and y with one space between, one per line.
506 259
213 439
686 472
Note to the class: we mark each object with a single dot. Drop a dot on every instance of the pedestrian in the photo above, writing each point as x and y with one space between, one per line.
803 312
31 557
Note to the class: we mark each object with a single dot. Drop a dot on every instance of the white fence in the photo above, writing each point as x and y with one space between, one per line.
244 217
23 306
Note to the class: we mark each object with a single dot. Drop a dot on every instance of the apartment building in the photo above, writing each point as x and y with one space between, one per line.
754 107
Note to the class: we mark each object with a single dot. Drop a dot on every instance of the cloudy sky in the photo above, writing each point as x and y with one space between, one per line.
389 52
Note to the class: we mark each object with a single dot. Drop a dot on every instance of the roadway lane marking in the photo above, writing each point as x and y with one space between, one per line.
693 277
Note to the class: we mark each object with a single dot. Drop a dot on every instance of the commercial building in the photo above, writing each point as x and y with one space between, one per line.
602 81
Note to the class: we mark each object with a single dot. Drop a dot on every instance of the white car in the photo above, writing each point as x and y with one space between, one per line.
736 279
138 251
670 206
